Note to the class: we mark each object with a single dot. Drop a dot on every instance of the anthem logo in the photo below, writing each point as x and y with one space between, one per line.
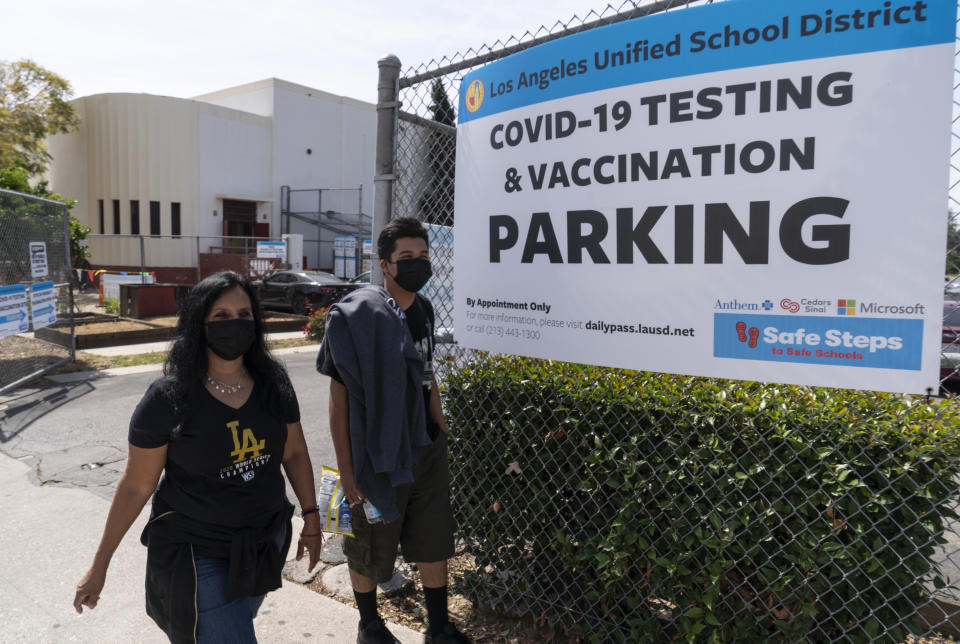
474 96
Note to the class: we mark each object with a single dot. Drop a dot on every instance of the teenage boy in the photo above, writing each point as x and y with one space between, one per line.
389 434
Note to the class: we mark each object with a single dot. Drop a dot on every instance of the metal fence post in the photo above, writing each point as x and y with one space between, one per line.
387 108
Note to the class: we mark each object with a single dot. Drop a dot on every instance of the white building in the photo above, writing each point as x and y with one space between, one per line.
177 175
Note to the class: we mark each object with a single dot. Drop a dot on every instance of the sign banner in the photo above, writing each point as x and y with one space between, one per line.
271 250
43 304
752 189
13 310
38 259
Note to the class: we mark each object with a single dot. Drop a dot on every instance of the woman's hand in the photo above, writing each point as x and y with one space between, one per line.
89 588
311 543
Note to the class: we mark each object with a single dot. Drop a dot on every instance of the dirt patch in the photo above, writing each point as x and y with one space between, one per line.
481 625
117 326
21 356
486 626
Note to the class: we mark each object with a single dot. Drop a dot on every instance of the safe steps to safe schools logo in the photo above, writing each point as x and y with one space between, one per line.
474 96
848 340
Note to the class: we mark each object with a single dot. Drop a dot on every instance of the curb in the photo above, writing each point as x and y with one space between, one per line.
78 376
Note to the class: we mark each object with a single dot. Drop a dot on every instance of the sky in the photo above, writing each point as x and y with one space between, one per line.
185 48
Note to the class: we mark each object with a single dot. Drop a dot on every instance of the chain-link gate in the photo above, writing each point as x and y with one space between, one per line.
35 287
627 506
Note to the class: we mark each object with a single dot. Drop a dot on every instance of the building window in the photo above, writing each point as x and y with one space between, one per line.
116 216
175 218
134 217
155 218
103 226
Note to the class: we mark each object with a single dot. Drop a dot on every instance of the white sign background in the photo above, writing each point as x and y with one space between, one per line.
13 310
38 259
886 152
271 250
43 304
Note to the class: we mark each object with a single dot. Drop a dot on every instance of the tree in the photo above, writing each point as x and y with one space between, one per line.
34 104
16 177
436 204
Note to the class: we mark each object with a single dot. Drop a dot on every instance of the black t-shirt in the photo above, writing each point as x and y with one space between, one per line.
223 466
420 321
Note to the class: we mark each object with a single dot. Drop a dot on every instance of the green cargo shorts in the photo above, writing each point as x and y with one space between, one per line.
424 530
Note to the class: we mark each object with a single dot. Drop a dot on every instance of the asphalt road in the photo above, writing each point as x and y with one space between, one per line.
75 434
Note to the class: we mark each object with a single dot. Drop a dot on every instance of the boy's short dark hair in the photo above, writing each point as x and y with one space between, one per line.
394 230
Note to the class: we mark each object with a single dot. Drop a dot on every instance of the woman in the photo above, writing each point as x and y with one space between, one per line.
217 425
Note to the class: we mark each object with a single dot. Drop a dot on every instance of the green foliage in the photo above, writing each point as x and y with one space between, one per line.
16 177
34 103
436 204
78 247
630 506
112 305
953 244
316 325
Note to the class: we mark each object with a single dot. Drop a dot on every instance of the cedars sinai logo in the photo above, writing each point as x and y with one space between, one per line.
789 305
474 96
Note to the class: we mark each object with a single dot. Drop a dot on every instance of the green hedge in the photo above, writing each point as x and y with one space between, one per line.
646 506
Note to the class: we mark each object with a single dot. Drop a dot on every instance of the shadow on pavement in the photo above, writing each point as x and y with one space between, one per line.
20 412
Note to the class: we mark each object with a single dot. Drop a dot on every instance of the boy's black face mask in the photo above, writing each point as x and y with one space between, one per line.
412 274
230 339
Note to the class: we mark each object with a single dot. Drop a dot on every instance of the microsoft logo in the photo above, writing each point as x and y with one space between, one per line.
846 307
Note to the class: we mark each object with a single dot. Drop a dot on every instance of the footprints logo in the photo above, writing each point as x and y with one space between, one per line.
747 335
474 96
789 305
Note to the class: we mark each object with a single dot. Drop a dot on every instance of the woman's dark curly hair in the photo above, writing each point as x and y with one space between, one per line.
186 365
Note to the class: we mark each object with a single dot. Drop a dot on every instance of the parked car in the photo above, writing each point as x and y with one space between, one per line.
362 278
950 343
952 286
302 291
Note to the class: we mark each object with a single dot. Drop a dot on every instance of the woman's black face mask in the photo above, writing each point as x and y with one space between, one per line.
230 339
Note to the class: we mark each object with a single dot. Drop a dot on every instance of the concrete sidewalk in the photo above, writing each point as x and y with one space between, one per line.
49 535
151 347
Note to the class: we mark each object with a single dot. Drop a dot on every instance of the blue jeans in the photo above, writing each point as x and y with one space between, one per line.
220 621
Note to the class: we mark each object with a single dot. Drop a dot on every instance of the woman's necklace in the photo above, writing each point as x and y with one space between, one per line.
225 388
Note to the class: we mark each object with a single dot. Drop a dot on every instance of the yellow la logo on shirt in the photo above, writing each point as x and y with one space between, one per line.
250 443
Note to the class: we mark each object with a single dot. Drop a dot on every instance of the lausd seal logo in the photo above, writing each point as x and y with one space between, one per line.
474 96
789 305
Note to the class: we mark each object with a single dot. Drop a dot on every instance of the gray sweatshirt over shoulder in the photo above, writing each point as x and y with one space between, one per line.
373 351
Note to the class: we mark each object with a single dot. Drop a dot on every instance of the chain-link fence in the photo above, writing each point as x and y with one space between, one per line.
629 506
35 286
186 259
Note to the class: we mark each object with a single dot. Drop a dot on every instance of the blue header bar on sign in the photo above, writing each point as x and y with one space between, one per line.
727 35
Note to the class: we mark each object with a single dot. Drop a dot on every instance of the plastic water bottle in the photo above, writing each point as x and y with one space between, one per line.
371 512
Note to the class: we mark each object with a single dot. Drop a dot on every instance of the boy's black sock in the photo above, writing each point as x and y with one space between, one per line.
436 600
367 605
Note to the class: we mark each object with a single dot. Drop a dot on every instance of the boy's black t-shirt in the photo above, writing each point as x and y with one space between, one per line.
223 466
420 321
